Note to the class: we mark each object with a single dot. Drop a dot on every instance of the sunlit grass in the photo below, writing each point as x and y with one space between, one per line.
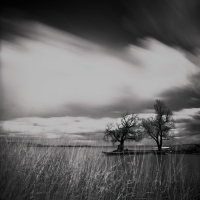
85 173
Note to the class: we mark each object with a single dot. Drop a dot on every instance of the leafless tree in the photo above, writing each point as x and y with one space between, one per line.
160 126
129 128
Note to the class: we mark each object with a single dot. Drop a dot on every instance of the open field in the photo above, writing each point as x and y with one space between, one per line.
85 173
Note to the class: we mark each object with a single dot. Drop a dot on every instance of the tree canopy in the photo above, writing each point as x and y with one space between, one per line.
129 128
160 126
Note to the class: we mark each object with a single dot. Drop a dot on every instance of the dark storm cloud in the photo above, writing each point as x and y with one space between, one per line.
13 26
116 109
173 22
187 97
99 21
191 127
116 23
113 110
179 98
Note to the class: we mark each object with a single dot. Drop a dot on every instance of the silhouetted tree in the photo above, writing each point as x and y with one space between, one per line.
160 126
129 128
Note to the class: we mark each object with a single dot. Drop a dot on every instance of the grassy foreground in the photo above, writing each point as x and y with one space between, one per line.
84 173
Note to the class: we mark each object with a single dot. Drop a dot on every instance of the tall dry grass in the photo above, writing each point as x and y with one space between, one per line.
84 173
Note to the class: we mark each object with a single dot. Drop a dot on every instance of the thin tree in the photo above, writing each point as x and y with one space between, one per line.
160 126
128 129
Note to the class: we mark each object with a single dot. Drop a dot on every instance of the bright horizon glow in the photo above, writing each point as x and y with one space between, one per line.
73 128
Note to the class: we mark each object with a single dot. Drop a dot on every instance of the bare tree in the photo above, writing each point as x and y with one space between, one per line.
129 128
160 126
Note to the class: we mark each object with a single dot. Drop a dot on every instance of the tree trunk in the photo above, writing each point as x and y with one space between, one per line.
159 147
120 147
159 143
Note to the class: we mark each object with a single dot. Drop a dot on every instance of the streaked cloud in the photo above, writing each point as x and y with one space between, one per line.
60 126
58 74
56 85
76 129
163 20
187 125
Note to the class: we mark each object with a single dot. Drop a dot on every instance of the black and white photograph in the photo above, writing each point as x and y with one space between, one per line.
100 100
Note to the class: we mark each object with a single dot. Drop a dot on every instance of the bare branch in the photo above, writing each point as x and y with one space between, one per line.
129 128
160 125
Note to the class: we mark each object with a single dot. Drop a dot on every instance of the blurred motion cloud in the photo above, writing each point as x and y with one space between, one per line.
57 71
48 73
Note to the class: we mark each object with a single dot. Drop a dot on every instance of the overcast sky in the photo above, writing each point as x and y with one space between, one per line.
69 69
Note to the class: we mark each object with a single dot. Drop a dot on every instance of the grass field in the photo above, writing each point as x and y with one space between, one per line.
84 173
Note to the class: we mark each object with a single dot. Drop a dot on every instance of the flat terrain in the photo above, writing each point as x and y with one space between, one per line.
29 172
